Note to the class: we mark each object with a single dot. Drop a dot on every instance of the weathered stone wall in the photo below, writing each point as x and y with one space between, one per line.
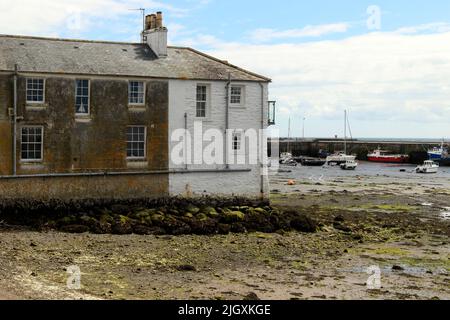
72 188
6 101
97 143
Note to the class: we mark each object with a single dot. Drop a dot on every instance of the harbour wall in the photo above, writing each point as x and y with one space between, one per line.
417 150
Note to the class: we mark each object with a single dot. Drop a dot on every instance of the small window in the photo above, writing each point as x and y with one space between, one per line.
236 95
82 97
237 137
136 93
136 142
35 90
202 97
31 143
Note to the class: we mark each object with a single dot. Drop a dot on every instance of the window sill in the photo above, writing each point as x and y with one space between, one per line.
82 118
36 106
137 108
137 163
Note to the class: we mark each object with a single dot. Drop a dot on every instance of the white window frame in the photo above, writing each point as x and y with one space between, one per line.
144 88
207 101
89 98
145 144
43 90
240 134
242 96
42 144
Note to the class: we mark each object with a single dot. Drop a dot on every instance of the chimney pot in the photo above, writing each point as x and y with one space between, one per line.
152 21
159 19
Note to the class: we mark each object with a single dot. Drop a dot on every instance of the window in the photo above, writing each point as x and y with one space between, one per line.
31 143
201 101
35 90
236 95
82 97
136 142
136 92
237 141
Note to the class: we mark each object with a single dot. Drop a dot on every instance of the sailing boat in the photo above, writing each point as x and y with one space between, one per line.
286 157
342 156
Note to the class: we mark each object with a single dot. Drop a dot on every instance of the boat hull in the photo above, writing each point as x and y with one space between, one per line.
388 159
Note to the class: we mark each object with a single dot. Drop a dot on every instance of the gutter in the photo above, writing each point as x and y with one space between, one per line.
261 136
14 142
227 120
185 141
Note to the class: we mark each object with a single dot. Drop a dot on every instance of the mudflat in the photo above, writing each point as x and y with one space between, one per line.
398 227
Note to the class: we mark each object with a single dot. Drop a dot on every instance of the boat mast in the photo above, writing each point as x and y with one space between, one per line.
345 131
289 136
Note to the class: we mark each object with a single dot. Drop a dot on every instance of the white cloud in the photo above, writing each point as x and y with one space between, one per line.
384 77
50 17
430 27
267 35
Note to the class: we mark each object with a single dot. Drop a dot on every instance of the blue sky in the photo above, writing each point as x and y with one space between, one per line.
321 55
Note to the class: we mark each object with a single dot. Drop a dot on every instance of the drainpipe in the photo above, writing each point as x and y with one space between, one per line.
14 153
227 120
185 141
261 135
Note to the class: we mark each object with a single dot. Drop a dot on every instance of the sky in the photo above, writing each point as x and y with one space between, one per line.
385 61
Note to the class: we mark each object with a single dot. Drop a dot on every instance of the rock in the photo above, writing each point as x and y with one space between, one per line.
210 212
205 227
303 223
32 244
223 228
398 268
120 209
201 217
157 218
192 209
341 227
339 219
251 297
186 267
233 216
259 210
238 228
75 228
122 226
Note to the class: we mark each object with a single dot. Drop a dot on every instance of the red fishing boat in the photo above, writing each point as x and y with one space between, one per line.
387 157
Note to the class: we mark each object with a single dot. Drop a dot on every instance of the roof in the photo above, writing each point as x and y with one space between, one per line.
65 56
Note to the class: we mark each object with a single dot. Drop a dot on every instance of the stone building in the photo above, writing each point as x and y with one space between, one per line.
95 119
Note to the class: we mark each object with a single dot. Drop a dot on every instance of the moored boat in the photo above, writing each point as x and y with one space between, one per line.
428 166
440 155
387 157
349 165
339 158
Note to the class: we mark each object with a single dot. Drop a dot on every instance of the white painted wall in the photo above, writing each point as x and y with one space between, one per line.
182 99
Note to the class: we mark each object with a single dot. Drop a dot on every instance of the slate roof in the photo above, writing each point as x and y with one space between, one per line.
64 56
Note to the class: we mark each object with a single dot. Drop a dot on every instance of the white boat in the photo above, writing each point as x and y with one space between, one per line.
340 158
428 167
349 165
286 158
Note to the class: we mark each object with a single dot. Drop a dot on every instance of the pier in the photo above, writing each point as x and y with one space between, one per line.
312 147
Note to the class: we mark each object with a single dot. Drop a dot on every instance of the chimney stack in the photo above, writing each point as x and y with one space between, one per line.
155 34
159 19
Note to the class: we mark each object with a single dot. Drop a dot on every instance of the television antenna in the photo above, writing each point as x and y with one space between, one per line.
143 18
